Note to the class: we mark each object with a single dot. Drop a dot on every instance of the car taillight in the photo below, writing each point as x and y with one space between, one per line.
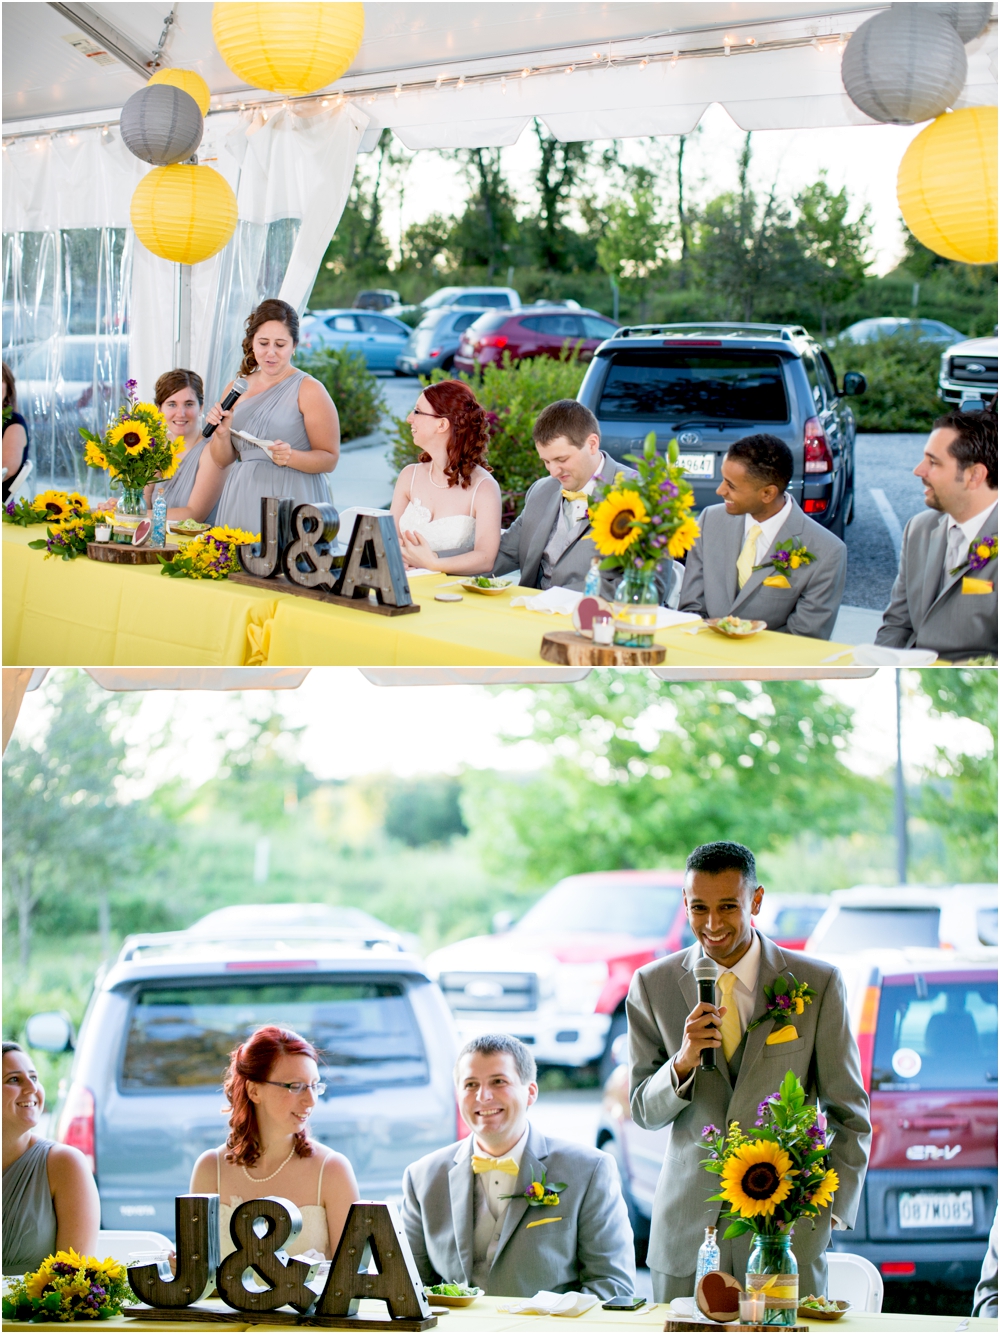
494 340
76 1122
461 1129
435 352
866 1029
817 451
813 506
898 1268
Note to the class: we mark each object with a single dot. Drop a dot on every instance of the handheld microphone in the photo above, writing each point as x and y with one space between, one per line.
239 385
706 972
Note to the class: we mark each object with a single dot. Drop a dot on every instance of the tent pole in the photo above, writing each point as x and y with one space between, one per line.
182 346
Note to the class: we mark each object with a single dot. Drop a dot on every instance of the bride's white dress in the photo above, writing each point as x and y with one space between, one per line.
315 1234
451 536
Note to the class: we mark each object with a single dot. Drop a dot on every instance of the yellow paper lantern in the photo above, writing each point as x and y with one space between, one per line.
184 213
289 48
186 79
947 186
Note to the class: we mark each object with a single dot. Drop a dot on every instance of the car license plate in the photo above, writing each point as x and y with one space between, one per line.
936 1208
697 465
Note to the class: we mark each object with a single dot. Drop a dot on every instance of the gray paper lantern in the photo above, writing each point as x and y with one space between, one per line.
904 65
162 124
968 17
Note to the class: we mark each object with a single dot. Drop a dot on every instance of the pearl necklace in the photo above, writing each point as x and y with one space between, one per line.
273 1174
439 485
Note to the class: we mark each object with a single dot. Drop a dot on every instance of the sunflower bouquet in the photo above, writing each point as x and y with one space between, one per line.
210 556
777 1172
135 448
68 1286
636 522
47 507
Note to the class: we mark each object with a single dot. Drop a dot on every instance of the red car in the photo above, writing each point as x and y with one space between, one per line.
532 331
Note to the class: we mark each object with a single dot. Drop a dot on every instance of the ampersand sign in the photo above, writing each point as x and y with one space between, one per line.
374 1231
197 1220
314 529
264 1255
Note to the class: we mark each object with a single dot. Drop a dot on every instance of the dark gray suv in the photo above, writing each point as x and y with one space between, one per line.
709 384
145 1096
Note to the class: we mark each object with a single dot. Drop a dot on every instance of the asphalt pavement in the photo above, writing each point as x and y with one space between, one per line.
886 496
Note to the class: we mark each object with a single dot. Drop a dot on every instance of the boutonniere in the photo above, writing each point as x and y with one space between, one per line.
539 1192
981 552
783 560
785 998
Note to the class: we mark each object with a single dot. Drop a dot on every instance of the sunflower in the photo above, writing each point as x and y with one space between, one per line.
615 522
93 457
684 538
134 435
54 503
756 1178
77 502
823 1193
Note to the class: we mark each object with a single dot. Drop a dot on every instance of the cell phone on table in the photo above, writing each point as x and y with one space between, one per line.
623 1304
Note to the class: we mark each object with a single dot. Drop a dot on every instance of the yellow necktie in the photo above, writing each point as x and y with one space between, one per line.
575 495
481 1164
748 556
731 1031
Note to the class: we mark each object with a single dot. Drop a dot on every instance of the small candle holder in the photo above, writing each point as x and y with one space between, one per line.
102 532
603 629
752 1308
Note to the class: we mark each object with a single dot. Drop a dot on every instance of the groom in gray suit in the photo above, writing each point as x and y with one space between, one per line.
549 541
729 569
468 1209
668 1030
945 595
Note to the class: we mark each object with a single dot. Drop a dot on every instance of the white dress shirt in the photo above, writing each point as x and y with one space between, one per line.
769 530
969 530
747 973
570 515
490 1187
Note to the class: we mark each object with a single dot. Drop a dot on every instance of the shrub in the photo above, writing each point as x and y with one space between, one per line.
902 382
513 395
350 384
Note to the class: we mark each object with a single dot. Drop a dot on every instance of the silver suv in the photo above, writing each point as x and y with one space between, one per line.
145 1095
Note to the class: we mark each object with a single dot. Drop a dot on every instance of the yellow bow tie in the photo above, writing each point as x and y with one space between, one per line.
480 1164
575 495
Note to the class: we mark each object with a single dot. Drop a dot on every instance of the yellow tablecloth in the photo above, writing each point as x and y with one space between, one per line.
484 1318
87 612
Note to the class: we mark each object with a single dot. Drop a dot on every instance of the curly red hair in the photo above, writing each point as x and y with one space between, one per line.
254 1060
470 429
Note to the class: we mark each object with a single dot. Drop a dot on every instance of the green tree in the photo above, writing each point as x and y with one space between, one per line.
641 773
426 245
837 249
960 791
561 167
487 231
71 838
425 810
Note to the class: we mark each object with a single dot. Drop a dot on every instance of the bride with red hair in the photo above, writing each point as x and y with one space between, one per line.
447 505
272 1086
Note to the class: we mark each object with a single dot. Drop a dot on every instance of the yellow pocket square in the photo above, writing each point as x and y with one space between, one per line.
540 1222
970 585
787 1034
776 581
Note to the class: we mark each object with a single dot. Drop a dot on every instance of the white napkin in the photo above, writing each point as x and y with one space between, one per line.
554 601
666 617
876 655
551 1303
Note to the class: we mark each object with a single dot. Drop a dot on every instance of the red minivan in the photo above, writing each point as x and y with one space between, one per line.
926 1027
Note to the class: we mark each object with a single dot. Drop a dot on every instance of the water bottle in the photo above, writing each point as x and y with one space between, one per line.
592 583
159 537
708 1256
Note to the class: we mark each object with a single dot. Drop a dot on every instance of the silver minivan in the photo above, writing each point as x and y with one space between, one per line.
145 1093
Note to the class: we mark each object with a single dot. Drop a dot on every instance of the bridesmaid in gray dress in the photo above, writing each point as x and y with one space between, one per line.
50 1201
194 490
283 405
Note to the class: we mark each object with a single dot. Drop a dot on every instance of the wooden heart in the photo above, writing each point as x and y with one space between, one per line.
718 1296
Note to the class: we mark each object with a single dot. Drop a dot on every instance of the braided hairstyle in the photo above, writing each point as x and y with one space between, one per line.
470 429
271 309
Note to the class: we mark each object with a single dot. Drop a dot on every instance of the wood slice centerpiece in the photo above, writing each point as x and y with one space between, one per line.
680 1324
122 553
573 650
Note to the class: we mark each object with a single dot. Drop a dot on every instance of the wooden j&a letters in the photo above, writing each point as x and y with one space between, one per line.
374 1232
197 1229
374 560
263 559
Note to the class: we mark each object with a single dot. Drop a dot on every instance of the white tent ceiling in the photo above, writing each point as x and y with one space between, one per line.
771 63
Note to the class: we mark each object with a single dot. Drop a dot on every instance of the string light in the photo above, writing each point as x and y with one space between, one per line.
438 81
525 73
569 69
503 85
644 62
751 41
673 60
461 81
324 103
399 89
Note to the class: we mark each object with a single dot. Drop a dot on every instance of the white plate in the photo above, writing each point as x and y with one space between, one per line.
697 465
936 1208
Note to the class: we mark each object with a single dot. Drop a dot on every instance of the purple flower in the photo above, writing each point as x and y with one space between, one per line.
762 1107
10 506
820 1121
785 1002
758 1122
708 1131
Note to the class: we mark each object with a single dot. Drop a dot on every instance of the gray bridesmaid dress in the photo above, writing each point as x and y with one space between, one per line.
177 490
272 415
29 1216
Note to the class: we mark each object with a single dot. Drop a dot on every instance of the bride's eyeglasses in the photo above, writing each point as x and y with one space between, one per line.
419 412
297 1087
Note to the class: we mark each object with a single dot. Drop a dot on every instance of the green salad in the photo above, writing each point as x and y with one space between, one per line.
487 581
452 1290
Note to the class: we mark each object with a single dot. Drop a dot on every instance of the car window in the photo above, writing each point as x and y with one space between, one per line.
429 321
490 322
595 327
639 910
794 923
935 1034
181 1036
734 386
462 322
498 299
555 326
889 928
342 323
986 925
826 377
375 324
812 375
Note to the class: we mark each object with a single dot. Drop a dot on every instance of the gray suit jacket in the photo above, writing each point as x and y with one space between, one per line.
589 1249
956 624
809 607
521 546
824 1057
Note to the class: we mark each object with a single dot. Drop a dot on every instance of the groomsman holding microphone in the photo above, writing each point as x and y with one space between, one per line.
670 1028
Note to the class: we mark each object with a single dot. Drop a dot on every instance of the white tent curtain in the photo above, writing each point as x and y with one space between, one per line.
86 306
